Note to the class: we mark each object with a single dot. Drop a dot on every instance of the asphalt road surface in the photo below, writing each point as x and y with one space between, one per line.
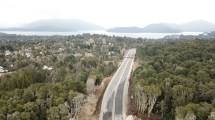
114 103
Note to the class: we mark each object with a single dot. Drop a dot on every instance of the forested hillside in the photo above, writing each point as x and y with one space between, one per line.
176 80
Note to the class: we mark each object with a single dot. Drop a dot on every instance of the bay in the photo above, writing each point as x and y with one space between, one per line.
102 32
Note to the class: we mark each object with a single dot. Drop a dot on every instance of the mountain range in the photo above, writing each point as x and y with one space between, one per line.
69 25
56 25
193 26
152 28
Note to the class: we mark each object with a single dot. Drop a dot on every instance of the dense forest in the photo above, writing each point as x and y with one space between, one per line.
176 80
30 91
27 94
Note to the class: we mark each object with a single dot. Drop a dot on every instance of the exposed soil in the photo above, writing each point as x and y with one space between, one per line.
91 109
136 64
132 108
3 74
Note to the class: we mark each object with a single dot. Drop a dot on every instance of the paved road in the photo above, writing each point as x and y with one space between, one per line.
114 103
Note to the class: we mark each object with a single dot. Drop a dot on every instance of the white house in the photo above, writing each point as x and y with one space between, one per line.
7 52
28 55
47 68
2 70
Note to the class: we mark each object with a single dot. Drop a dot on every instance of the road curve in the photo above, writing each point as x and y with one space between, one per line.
114 103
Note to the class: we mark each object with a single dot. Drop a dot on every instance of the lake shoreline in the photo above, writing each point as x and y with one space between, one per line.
101 32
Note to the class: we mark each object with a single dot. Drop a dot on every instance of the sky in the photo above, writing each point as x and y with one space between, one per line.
107 13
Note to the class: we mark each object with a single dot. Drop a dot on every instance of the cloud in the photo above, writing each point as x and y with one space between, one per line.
107 13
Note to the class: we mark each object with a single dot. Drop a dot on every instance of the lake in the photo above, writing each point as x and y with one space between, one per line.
132 35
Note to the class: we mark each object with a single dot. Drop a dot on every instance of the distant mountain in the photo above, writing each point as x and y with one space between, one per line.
66 25
160 28
56 25
197 26
2 34
193 26
152 28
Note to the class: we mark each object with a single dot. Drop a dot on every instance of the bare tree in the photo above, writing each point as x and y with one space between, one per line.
140 98
152 91
77 102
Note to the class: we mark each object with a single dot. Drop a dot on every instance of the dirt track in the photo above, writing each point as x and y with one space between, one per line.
91 110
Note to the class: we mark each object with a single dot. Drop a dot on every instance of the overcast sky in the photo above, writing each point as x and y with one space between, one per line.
107 13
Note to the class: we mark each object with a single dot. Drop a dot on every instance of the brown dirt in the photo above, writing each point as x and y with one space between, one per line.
3 74
136 64
91 109
132 108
